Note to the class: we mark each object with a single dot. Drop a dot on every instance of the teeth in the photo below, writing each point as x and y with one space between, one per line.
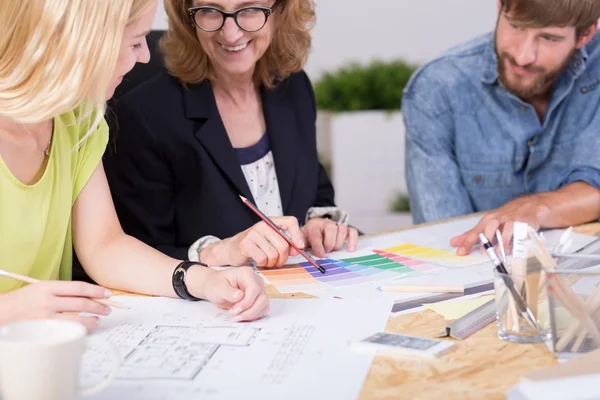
236 48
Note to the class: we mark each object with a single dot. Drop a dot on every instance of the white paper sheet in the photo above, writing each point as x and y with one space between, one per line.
360 278
438 236
576 241
435 236
181 350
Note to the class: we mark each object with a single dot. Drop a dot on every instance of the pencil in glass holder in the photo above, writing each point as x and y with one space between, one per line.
574 300
513 326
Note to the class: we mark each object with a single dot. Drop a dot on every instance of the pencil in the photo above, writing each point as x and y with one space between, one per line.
518 270
564 293
30 280
281 233
508 282
423 289
512 317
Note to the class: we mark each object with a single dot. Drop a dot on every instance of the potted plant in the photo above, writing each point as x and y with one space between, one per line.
361 134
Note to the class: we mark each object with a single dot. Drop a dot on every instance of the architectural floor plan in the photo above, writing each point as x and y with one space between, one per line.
173 349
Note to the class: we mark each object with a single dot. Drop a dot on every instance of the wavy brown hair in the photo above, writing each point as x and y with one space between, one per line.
185 58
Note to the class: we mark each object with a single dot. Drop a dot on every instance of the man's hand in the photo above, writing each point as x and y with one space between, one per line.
530 209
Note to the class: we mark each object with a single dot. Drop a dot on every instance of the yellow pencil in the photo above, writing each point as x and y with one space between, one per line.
28 279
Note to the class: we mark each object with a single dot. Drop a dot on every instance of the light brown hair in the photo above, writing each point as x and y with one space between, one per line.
581 14
287 53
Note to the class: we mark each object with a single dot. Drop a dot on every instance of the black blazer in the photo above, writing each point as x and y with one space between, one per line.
175 176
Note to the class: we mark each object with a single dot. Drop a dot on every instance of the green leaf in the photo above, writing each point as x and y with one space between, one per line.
355 87
399 203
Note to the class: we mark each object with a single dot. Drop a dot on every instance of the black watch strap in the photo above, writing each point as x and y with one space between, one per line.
178 280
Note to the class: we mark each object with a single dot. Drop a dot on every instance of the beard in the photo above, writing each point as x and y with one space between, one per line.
538 85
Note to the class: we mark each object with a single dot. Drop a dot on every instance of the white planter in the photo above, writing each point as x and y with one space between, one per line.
366 150
324 136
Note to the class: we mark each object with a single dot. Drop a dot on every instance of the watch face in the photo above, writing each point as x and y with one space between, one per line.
179 282
179 273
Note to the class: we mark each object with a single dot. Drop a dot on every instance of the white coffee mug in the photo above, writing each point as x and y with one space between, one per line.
40 359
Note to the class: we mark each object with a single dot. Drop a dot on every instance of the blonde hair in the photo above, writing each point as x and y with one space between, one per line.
186 59
56 55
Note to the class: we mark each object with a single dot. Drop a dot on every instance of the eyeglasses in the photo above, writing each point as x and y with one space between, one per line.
249 19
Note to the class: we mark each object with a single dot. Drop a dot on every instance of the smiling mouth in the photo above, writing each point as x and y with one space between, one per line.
235 49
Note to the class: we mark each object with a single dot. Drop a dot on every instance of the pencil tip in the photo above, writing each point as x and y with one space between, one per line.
243 198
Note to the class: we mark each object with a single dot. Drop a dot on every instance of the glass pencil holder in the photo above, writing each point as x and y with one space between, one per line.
574 308
521 308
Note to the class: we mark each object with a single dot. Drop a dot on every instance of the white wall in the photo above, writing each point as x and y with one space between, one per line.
160 22
361 30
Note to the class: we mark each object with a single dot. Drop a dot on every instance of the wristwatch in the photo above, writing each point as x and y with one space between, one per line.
178 280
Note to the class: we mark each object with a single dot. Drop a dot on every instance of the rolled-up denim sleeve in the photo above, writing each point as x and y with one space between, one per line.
584 164
435 186
581 173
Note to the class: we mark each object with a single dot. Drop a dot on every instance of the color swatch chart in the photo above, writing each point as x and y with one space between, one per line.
379 266
446 258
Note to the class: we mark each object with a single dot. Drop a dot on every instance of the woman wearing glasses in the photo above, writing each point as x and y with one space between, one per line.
235 116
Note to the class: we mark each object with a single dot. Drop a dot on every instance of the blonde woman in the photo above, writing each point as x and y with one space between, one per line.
234 115
59 62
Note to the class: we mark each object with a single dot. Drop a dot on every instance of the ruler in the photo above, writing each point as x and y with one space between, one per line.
471 323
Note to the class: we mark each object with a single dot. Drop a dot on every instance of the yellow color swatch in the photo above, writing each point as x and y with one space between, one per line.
457 309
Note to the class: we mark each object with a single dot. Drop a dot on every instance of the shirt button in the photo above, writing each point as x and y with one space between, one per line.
523 108
478 178
530 142
584 90
529 176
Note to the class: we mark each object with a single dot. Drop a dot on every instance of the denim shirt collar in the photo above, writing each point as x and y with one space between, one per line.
490 70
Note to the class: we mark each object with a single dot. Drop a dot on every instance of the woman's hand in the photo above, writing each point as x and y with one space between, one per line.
324 235
54 299
259 243
239 290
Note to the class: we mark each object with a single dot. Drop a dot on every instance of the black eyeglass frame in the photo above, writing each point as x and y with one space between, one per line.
268 11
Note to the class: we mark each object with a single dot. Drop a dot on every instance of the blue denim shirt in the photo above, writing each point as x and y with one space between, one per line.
472 146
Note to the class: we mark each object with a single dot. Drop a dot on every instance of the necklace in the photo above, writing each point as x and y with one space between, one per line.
47 149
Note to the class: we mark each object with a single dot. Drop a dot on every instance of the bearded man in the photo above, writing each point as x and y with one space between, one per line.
509 124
